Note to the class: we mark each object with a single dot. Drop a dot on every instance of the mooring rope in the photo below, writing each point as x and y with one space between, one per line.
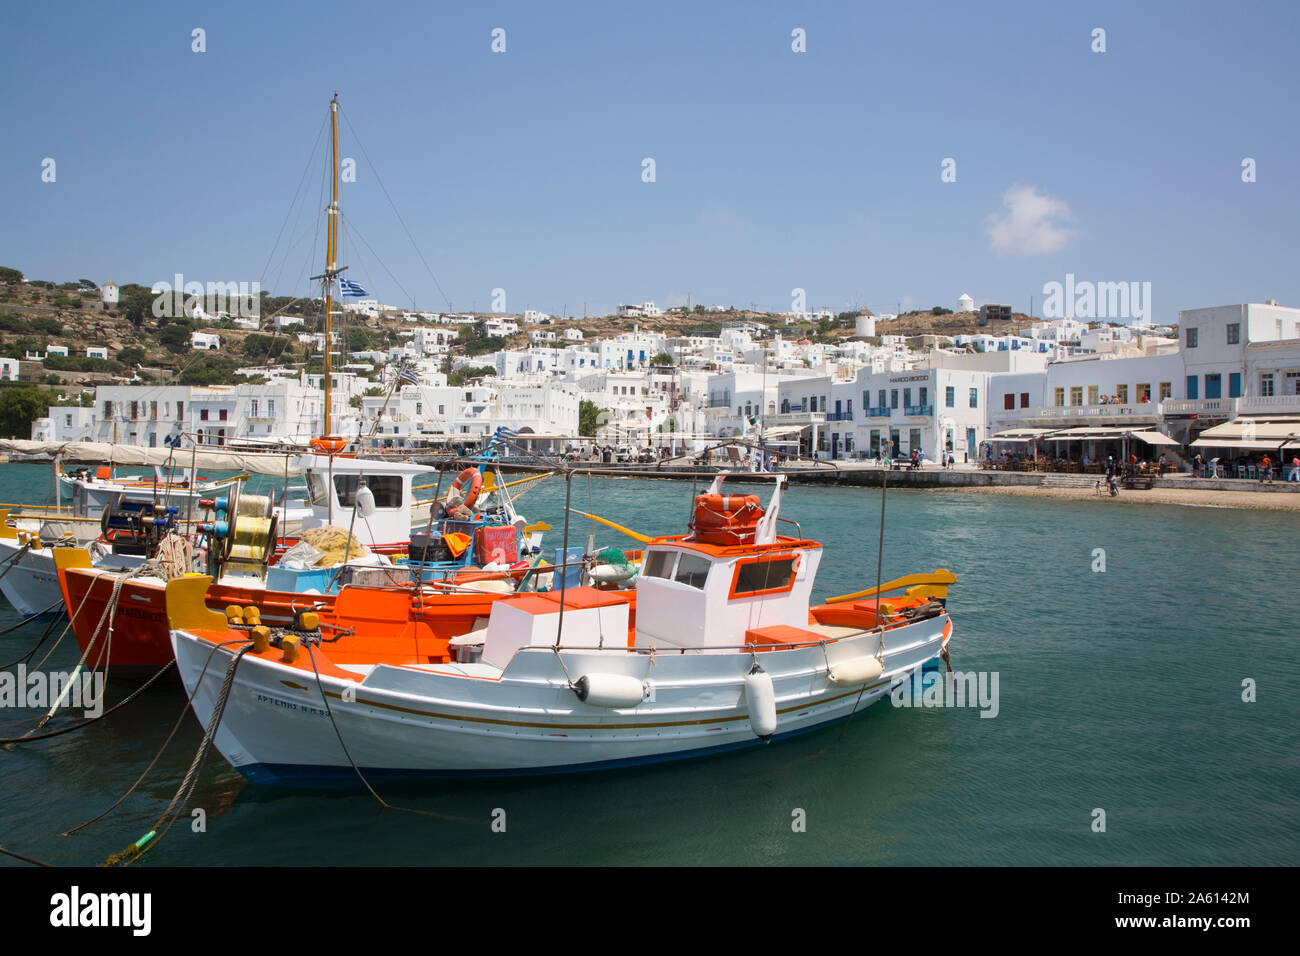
110 610
180 720
32 735
168 817
360 776
11 561
25 859
49 629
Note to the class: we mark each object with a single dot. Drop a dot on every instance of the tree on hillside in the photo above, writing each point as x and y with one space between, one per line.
588 418
136 302
10 275
661 358
175 336
258 347
19 407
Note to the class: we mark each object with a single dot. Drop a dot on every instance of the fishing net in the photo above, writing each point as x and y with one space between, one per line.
616 558
334 543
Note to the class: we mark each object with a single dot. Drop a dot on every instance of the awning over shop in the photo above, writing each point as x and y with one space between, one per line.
1154 438
1268 430
1258 444
1088 434
780 431
259 463
1019 434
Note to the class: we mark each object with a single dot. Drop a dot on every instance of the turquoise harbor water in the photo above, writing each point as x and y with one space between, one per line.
1119 690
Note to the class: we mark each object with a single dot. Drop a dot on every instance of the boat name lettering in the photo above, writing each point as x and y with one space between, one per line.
290 705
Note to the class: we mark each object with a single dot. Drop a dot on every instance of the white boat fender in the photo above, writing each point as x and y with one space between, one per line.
612 574
857 670
760 699
610 690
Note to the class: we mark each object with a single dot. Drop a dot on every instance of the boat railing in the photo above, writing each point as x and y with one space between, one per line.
795 523
749 648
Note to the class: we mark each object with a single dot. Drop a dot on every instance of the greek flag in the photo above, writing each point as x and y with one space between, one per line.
351 288
505 434
408 375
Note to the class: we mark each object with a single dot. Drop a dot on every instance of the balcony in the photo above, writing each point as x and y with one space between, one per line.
795 418
924 411
1199 408
839 416
1267 404
1087 413
876 411
722 402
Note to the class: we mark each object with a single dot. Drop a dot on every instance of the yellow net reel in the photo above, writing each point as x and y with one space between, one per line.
252 536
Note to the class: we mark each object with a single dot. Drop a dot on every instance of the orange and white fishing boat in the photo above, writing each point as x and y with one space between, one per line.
717 648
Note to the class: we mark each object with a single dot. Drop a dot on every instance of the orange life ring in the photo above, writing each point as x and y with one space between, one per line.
475 477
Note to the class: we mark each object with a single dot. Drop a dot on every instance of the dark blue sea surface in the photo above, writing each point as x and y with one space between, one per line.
1119 690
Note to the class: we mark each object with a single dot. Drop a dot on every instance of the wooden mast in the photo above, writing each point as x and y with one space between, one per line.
331 259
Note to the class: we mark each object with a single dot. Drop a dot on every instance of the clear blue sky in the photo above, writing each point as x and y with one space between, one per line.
775 169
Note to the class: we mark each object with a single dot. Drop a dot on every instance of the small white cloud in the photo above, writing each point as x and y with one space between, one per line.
1031 224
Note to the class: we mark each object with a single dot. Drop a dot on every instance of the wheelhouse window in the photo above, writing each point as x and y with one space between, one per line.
658 564
764 575
387 489
692 570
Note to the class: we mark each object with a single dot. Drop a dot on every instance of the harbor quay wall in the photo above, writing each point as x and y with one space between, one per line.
872 477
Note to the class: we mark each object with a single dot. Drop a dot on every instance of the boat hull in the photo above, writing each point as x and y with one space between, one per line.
30 583
139 623
283 723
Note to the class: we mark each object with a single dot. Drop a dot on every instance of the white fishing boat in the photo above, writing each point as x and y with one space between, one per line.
717 648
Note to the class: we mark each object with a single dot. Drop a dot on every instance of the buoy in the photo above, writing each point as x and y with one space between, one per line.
610 690
475 479
760 699
857 670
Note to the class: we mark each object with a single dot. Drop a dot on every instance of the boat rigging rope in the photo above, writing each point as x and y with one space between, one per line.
168 817
380 180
